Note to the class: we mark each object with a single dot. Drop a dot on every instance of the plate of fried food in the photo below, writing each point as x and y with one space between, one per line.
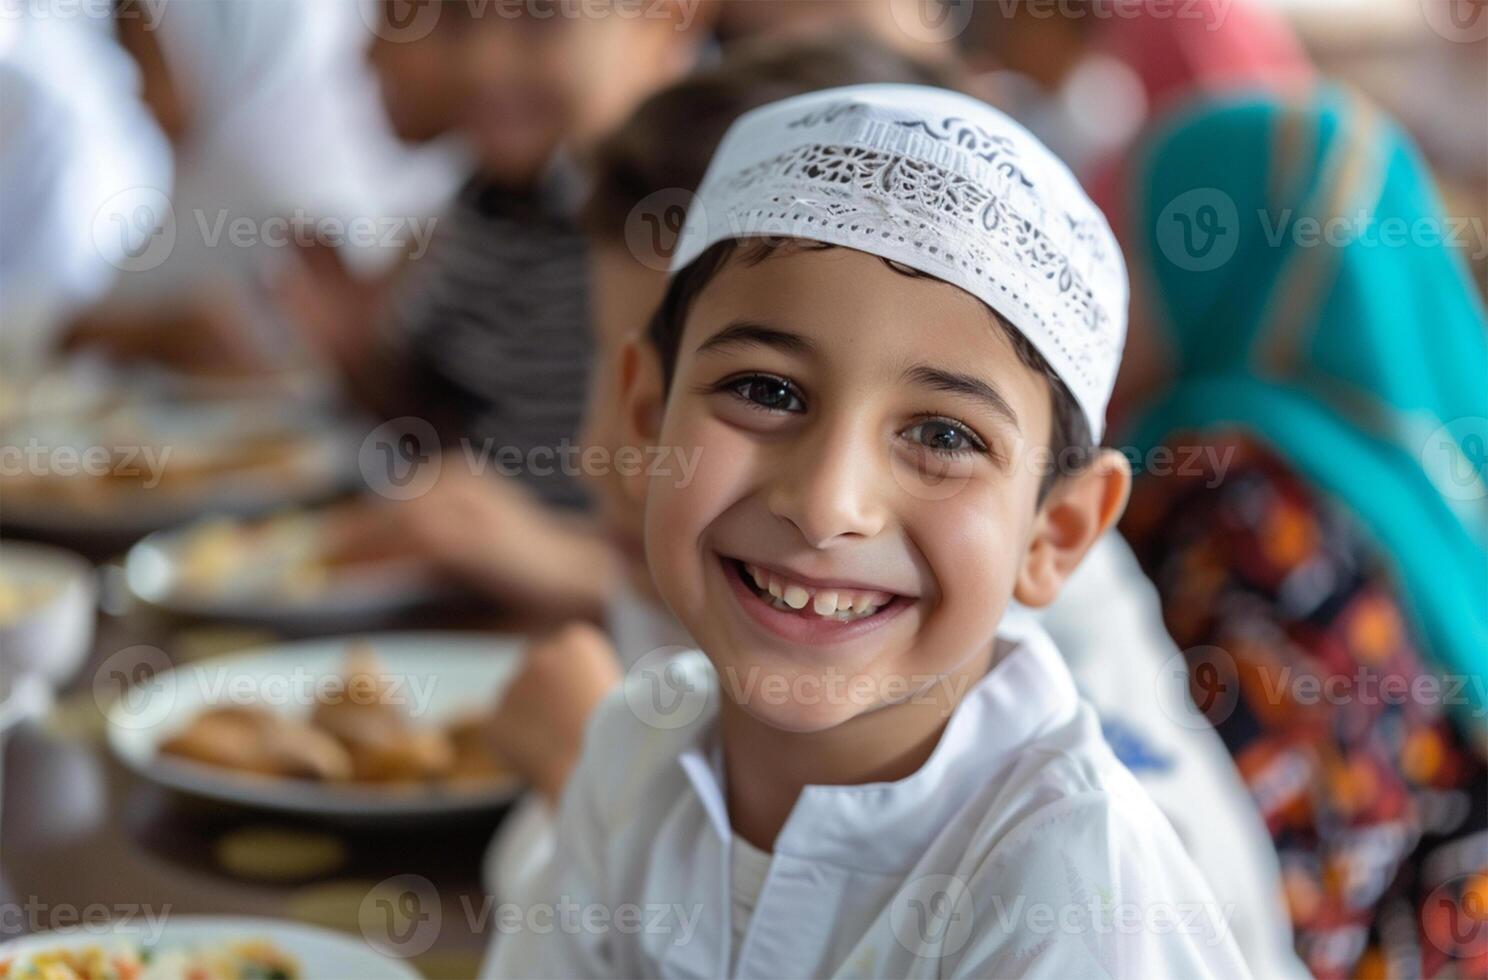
131 468
288 570
193 947
390 726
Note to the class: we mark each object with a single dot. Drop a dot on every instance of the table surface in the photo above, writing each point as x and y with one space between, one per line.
81 837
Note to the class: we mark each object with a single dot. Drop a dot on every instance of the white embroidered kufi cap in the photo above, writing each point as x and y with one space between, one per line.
944 184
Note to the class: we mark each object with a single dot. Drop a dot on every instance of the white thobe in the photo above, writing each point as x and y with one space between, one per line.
1021 847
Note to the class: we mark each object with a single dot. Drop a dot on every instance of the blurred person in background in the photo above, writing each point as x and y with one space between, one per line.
77 139
919 28
1085 76
1322 557
644 170
487 336
275 130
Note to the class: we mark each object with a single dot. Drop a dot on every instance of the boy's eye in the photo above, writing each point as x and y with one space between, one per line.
768 392
944 436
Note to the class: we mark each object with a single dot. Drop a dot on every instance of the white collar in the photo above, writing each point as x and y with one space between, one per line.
885 827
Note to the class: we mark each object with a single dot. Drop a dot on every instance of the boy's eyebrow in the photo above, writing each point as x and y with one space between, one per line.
938 379
748 333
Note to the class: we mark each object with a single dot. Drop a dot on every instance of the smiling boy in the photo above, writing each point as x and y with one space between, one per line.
891 331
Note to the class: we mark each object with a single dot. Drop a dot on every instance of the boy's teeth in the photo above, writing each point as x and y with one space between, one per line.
839 604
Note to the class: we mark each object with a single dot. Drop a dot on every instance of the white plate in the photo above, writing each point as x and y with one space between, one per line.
350 598
441 674
61 501
322 954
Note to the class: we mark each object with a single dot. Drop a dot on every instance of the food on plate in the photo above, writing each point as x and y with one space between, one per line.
361 730
282 555
19 598
254 739
254 959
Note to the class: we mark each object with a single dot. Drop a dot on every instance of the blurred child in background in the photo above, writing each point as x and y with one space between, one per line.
1327 576
272 118
487 336
1085 76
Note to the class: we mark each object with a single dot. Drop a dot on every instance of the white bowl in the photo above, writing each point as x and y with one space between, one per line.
51 637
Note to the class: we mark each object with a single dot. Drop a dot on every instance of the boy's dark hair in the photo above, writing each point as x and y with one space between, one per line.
669 139
1071 447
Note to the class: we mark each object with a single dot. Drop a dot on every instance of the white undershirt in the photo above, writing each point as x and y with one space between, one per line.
748 867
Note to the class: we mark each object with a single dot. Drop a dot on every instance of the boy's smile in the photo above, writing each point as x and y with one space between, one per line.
862 506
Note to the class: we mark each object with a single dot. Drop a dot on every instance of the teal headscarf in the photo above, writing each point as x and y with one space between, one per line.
1293 257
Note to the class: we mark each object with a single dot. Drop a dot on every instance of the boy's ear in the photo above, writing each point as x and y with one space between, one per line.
642 401
1078 510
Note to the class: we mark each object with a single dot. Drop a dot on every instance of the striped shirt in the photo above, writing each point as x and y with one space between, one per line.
494 326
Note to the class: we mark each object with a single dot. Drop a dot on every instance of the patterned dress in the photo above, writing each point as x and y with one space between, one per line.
1300 652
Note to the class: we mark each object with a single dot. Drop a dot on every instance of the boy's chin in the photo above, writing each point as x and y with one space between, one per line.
799 718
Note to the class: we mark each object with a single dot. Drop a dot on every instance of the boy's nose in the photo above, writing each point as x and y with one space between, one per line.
827 488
